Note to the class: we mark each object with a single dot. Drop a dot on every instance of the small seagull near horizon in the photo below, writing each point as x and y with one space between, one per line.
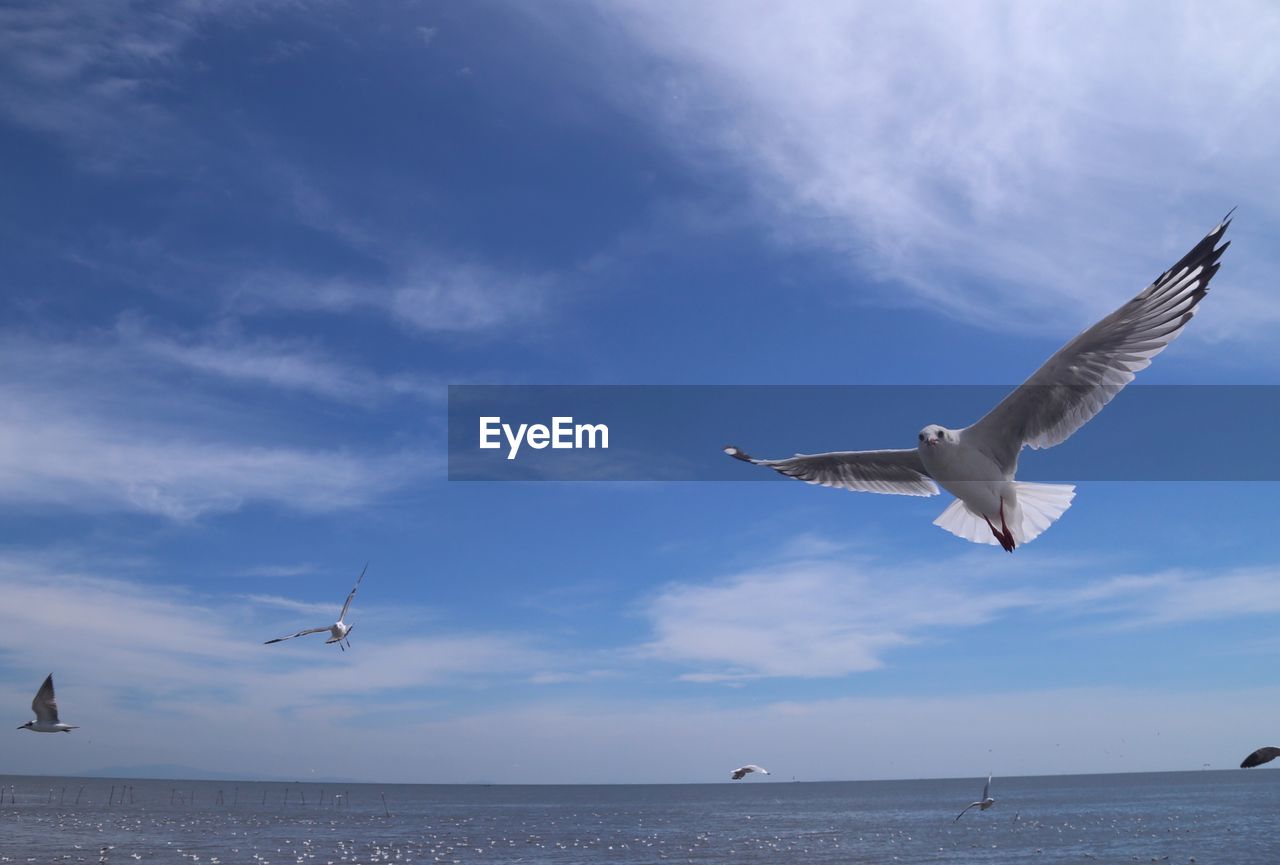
1260 756
740 773
46 709
338 630
977 464
982 804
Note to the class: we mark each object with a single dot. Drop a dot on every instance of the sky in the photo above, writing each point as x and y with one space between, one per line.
249 245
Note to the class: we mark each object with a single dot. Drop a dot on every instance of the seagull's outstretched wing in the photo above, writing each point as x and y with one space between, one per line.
44 704
1073 385
343 616
1260 756
899 472
986 789
740 773
299 634
967 807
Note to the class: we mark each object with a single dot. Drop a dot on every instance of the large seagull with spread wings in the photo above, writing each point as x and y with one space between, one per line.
977 464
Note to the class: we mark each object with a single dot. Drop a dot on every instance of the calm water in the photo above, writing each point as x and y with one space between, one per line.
1209 817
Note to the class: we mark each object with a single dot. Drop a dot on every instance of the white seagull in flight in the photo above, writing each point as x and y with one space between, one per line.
982 804
977 464
46 709
739 774
338 630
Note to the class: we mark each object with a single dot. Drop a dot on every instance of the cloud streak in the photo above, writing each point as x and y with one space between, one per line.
1043 160
829 617
89 428
429 295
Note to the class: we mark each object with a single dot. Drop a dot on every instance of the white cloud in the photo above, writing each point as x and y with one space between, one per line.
827 617
813 617
279 363
85 71
998 162
88 428
52 457
429 294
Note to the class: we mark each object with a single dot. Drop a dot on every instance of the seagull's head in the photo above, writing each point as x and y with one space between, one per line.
934 435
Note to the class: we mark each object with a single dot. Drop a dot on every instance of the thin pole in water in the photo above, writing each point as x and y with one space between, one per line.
384 804
78 794
112 800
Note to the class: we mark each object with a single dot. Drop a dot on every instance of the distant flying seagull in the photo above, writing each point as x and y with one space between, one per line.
982 804
46 709
1260 756
338 630
977 464
739 774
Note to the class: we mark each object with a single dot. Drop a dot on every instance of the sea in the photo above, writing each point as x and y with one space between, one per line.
1207 817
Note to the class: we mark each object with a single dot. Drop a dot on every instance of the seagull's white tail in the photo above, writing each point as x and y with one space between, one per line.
1041 505
964 523
1037 508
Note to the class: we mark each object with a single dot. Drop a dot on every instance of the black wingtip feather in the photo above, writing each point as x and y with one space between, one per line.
738 454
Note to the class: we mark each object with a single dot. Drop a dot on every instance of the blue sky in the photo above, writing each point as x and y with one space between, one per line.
249 245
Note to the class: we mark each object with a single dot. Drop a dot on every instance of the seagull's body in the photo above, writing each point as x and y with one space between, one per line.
1260 756
982 804
977 464
744 771
46 709
338 630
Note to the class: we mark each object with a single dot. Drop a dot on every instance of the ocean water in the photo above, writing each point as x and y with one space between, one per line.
1207 817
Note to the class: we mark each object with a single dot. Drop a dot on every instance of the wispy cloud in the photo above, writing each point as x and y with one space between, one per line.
88 429
428 295
1042 159
271 571
89 72
834 616
52 457
279 363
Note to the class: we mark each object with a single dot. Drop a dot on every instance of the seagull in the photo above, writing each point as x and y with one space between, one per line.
739 774
1260 756
338 630
982 804
46 709
977 464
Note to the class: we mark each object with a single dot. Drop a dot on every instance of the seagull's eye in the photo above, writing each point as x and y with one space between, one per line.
921 436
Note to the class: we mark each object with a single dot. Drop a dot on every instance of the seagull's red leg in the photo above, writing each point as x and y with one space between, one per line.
1007 541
